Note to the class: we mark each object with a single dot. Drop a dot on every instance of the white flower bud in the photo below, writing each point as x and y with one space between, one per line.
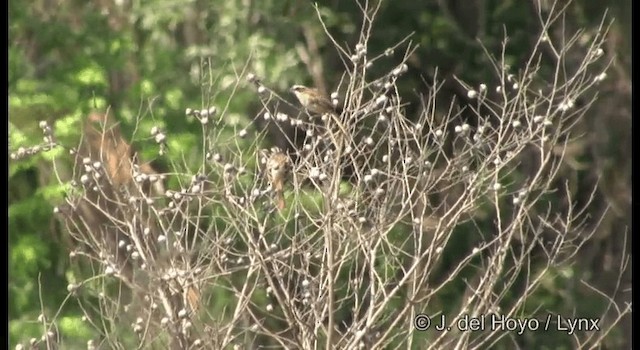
600 77
314 172
381 99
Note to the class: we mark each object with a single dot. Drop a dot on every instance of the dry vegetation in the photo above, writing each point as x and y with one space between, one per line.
374 201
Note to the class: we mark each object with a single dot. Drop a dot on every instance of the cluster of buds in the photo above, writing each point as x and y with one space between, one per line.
522 194
202 115
360 52
401 69
253 79
47 132
161 139
93 172
306 290
49 143
197 183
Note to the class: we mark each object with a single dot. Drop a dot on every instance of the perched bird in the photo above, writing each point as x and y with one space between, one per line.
315 103
277 167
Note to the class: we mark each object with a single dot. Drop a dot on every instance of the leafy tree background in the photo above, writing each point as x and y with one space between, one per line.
149 60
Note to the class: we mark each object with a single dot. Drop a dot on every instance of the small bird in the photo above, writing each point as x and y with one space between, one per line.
316 103
277 167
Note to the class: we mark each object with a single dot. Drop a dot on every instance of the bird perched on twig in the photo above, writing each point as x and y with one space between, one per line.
313 101
277 166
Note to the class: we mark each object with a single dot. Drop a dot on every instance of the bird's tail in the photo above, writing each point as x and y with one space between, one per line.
280 200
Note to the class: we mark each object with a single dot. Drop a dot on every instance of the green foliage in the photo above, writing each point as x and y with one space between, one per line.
75 328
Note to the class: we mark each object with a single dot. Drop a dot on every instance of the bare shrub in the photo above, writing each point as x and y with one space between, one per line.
439 215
